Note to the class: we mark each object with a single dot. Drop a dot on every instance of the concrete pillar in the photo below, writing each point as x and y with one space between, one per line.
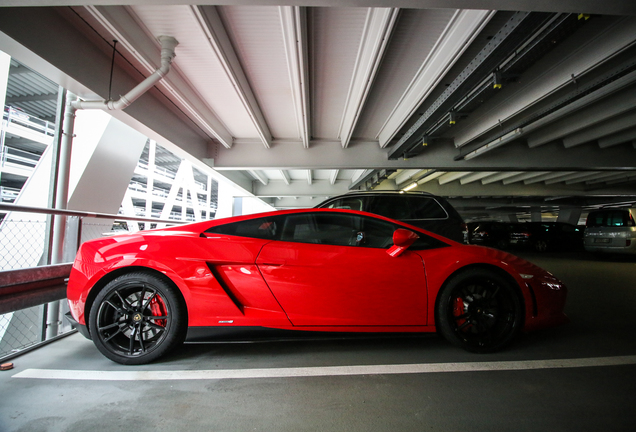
150 181
512 217
535 214
237 208
105 154
5 65
208 198
225 204
569 215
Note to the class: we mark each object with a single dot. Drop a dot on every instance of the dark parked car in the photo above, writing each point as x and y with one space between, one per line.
544 236
423 210
490 233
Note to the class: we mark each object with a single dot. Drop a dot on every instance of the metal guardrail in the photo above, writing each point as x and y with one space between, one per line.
9 195
18 157
17 116
81 214
24 288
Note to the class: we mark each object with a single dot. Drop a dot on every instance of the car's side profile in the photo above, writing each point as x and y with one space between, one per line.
137 296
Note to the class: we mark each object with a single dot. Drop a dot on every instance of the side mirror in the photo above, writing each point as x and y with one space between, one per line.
402 240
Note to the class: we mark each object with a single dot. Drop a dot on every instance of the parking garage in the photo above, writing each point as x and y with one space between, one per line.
128 118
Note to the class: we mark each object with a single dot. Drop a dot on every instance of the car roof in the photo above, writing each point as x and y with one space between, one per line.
384 192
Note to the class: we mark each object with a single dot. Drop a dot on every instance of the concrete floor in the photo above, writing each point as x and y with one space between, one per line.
601 306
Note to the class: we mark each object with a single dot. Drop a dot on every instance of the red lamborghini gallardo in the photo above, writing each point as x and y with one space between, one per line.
138 296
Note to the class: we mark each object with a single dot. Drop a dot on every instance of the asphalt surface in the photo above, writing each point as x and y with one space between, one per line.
577 377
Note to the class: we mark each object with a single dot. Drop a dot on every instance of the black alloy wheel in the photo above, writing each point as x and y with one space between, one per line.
137 318
479 311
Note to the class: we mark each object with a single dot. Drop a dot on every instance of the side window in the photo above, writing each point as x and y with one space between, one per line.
347 203
617 218
337 229
595 219
261 228
394 207
375 233
425 242
425 208
321 228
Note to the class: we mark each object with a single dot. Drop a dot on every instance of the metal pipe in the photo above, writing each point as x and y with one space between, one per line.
53 319
81 214
168 44
63 178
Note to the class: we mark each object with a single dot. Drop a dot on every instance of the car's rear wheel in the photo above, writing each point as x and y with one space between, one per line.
479 311
137 318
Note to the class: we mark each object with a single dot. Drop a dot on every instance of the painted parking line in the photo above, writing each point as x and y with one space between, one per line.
132 375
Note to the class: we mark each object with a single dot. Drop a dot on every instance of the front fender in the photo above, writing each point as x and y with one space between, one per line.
441 264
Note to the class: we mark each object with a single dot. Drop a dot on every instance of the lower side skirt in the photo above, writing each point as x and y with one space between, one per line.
258 334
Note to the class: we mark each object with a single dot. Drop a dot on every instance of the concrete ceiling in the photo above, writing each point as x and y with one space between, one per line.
494 108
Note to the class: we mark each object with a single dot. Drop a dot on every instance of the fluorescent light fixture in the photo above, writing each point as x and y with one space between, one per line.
409 187
494 144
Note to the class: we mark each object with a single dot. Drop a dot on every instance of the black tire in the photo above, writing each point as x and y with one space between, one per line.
130 331
479 310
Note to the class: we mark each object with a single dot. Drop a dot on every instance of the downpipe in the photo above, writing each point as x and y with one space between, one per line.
168 44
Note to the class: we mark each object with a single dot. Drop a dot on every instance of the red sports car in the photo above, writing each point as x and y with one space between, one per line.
137 296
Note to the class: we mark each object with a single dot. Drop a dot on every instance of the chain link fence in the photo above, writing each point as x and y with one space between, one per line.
20 329
22 243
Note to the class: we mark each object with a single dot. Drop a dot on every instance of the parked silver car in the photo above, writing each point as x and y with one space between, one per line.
611 231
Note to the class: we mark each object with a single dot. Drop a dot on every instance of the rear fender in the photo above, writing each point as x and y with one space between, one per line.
80 307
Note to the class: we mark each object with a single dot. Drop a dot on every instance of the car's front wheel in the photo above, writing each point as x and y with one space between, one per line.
137 318
479 310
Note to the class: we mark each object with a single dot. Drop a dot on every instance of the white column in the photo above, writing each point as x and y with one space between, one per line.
226 200
5 65
208 197
569 215
150 179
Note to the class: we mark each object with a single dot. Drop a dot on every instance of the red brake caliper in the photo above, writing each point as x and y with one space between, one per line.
158 308
458 310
